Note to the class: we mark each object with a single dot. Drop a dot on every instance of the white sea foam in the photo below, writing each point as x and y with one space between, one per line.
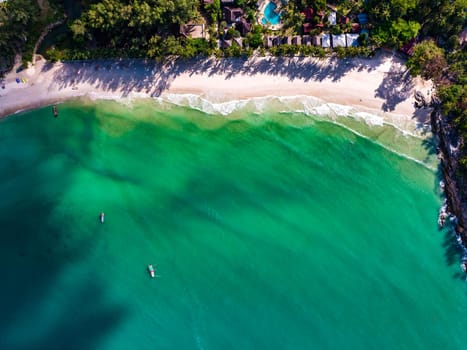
308 105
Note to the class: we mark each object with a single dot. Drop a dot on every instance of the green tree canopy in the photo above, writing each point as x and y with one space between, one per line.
427 60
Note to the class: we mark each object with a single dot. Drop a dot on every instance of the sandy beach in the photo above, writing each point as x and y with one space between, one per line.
379 86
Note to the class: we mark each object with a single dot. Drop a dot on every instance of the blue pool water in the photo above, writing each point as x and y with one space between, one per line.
270 17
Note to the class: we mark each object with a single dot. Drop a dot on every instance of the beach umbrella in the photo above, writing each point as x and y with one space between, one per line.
18 81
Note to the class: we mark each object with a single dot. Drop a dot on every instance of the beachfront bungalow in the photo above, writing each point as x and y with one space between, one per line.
316 40
276 41
271 41
306 40
326 40
296 40
286 40
351 39
338 40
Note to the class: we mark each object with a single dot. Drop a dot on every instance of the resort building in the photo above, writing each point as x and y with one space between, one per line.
316 40
306 40
326 40
243 26
351 39
296 40
232 14
339 40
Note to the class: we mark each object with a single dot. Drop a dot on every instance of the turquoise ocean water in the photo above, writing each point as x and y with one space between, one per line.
279 231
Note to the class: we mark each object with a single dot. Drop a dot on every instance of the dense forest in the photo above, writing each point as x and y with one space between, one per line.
151 28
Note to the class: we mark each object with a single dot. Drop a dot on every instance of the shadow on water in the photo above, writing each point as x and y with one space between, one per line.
37 255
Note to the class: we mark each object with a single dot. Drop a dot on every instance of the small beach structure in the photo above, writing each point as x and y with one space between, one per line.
326 40
316 40
338 40
296 40
286 40
306 40
351 39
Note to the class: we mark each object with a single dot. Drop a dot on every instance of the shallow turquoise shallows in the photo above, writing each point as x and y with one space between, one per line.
270 16
266 233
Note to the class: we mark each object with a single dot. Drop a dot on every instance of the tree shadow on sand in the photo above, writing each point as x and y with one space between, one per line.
36 254
396 87
153 78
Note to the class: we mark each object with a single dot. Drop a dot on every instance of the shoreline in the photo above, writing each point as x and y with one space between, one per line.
379 86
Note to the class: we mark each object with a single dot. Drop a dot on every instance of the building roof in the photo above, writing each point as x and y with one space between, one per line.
332 18
362 18
243 26
326 40
352 39
296 40
307 27
316 40
338 40
276 41
308 12
355 27
232 13
306 40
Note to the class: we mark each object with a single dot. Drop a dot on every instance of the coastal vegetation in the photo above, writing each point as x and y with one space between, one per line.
21 24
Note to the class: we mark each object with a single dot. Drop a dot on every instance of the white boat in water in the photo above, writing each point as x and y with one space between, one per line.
102 217
151 270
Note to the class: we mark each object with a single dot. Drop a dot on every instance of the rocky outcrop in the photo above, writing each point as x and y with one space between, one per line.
449 145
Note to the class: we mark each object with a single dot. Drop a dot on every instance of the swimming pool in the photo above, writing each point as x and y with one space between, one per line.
270 17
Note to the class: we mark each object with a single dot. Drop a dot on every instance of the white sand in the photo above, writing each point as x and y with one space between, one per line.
377 87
